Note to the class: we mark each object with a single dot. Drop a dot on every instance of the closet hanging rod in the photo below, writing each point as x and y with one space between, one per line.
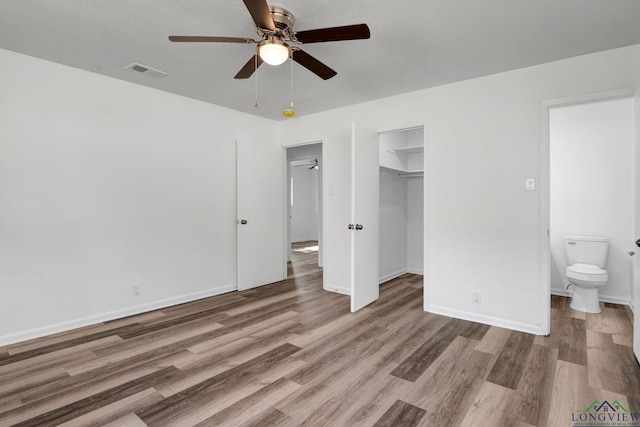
411 174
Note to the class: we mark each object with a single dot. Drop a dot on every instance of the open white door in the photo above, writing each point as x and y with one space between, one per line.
365 195
260 211
336 195
635 294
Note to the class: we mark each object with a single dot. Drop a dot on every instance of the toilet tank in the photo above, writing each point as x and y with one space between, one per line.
587 250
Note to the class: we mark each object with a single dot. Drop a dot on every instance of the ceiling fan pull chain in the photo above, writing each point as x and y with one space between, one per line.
290 112
256 71
291 62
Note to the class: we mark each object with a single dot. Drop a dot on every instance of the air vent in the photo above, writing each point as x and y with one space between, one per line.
147 71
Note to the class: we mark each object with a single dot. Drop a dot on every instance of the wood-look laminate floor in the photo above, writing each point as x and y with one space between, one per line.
291 354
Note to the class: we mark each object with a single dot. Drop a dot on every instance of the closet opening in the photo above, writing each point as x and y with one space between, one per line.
401 203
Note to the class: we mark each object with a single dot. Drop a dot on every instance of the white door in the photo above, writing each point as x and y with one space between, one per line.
260 211
635 295
365 195
336 195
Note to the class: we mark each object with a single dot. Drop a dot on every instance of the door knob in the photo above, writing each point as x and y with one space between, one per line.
359 227
243 221
638 243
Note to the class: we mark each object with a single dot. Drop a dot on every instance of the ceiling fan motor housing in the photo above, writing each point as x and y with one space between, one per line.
284 22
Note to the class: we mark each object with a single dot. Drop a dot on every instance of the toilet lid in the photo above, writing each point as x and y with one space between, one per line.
586 269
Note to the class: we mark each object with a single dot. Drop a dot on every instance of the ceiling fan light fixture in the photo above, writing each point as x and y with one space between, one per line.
273 51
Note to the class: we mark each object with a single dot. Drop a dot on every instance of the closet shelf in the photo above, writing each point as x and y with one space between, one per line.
409 150
403 172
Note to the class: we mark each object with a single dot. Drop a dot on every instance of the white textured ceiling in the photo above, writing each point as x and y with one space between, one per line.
414 43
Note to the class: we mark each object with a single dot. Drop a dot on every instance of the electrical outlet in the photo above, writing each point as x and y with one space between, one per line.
136 291
475 297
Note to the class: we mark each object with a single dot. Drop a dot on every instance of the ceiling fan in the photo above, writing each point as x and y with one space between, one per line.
274 25
311 164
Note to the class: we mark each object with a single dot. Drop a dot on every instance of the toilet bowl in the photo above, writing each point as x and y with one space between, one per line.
586 279
587 258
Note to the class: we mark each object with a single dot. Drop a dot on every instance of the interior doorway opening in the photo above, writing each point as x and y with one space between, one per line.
304 228
547 262
591 189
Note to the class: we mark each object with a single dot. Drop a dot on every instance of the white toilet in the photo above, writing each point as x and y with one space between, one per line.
587 258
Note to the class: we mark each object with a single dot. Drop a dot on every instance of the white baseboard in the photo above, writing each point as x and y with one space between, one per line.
603 298
487 320
337 289
562 292
399 273
111 315
391 276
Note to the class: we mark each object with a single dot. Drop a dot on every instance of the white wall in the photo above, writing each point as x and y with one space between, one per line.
304 209
105 184
305 152
401 225
415 225
393 226
397 139
388 141
415 137
484 137
592 187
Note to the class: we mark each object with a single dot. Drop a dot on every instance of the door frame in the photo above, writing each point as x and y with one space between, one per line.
321 240
635 273
545 189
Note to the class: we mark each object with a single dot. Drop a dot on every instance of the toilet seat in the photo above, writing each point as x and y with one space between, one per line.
587 273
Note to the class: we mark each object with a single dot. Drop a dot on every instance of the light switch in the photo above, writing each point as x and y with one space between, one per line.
529 184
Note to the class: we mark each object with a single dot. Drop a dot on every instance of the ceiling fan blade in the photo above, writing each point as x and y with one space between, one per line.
334 34
261 14
249 68
211 39
313 65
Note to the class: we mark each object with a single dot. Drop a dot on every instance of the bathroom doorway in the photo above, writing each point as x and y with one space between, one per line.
591 174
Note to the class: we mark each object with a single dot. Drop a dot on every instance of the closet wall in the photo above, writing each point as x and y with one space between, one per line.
415 225
401 203
393 225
